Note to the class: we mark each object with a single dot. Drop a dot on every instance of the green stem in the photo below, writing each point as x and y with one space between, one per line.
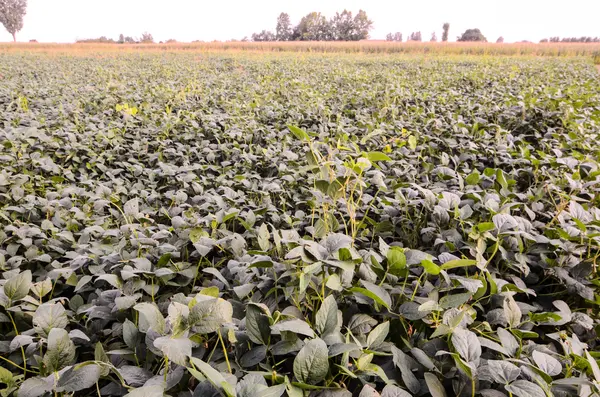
225 352
22 350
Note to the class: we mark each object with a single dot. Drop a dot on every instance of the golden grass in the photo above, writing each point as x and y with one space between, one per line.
591 50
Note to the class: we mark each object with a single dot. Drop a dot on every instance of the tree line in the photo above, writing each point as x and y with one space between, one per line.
316 27
584 39
144 39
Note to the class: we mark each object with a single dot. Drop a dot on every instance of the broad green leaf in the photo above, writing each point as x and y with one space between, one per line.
466 344
396 260
258 323
434 385
326 319
455 300
502 371
525 388
299 133
177 349
296 326
312 364
430 267
377 156
458 263
48 316
34 387
208 314
412 142
78 378
374 292
147 391
377 335
150 317
547 363
212 375
60 351
473 178
17 287
512 312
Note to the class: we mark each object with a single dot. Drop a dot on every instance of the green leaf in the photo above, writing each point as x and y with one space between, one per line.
34 387
434 385
412 142
512 312
377 156
208 314
375 292
147 391
17 287
377 335
48 316
501 179
177 349
258 323
466 344
299 133
296 326
394 391
311 365
212 375
430 267
78 378
6 376
524 388
396 261
458 263
150 317
456 300
473 178
61 350
548 364
326 320
503 371
263 237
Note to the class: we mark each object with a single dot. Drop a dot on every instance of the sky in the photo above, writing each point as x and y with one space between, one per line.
186 20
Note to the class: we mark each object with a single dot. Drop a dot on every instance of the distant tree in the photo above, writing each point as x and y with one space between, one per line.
472 35
500 40
446 28
313 27
415 36
362 26
433 37
264 36
171 41
147 38
284 29
11 15
245 38
543 40
394 36
121 39
342 26
129 40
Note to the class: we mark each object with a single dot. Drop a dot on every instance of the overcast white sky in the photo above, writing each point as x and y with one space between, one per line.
187 20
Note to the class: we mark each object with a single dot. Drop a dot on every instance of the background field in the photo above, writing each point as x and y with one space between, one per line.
367 47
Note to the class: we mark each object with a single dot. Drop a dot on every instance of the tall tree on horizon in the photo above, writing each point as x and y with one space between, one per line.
11 15
446 28
284 31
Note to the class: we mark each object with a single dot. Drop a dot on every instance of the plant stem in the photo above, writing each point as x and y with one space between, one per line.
22 350
225 351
